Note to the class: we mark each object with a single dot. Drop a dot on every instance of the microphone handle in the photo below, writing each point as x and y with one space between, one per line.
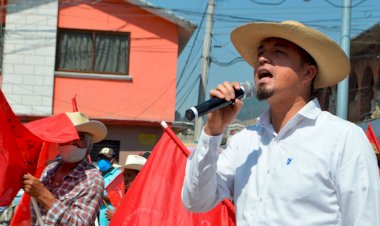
210 105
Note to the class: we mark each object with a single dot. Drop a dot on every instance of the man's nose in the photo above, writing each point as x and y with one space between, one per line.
263 58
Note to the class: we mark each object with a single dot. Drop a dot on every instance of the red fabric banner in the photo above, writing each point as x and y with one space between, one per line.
115 189
373 139
19 150
26 149
154 198
21 216
54 129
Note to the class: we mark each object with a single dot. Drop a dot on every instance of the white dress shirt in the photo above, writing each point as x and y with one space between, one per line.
319 170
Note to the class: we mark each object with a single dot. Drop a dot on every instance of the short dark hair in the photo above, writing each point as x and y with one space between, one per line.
306 58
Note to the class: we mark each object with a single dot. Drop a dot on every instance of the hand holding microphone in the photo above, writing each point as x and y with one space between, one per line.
246 90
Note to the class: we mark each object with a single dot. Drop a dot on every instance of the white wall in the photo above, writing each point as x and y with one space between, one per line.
29 55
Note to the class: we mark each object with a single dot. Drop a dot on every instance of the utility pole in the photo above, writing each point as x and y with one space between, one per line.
342 97
206 59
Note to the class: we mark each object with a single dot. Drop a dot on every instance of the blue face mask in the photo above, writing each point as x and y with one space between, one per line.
104 165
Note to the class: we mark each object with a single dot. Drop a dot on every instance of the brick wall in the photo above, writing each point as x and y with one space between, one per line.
29 55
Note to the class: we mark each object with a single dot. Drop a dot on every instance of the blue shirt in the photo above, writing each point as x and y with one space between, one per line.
108 178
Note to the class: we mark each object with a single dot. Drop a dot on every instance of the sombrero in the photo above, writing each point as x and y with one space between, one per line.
83 124
333 64
134 162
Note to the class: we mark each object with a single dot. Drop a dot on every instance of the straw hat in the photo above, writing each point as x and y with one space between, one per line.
333 64
134 162
83 124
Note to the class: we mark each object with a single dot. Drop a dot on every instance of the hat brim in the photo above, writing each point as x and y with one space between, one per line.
106 155
333 64
132 166
95 128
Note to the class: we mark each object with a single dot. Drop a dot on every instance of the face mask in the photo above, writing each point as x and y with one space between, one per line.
71 153
104 165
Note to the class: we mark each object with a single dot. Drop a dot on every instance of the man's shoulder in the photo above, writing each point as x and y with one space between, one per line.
91 171
335 121
334 127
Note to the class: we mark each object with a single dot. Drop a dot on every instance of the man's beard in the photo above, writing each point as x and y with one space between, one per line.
263 94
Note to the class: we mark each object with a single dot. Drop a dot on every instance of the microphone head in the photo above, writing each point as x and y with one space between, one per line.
248 88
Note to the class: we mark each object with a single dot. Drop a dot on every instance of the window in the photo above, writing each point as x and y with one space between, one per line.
93 51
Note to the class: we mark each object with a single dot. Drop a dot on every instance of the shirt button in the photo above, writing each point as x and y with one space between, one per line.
260 199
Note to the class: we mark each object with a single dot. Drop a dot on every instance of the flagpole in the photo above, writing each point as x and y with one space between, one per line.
175 138
185 151
37 210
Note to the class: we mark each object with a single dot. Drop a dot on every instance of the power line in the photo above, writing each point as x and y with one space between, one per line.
341 6
192 47
227 64
188 77
268 3
188 91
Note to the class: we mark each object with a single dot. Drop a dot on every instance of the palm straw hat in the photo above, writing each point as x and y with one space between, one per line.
83 124
333 64
135 162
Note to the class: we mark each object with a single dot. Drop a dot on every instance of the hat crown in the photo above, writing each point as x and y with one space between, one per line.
292 22
107 151
77 118
134 162
83 124
135 159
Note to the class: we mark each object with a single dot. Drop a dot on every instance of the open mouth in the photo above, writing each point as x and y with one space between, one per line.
264 74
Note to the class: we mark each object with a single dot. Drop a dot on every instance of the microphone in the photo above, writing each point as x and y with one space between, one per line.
247 89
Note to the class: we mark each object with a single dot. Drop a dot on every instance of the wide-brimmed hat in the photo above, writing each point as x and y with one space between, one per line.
135 162
333 64
83 124
108 152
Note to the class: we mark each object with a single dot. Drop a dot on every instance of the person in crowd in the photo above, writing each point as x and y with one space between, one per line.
298 165
109 169
70 191
132 167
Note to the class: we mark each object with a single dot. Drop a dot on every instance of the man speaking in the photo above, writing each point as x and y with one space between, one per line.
299 165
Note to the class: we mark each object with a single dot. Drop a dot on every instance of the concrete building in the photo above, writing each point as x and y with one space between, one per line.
364 79
116 58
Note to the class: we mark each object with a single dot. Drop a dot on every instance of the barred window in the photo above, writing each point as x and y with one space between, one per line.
93 51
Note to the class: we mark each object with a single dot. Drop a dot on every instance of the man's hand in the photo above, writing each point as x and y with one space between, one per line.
218 120
34 187
109 214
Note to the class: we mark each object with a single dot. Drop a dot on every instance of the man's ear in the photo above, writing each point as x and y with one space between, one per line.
310 73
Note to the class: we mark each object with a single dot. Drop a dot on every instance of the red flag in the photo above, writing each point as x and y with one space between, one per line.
21 216
19 150
54 129
154 197
115 189
373 139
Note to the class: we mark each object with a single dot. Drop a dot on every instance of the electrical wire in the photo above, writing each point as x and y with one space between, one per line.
341 6
227 64
192 47
268 3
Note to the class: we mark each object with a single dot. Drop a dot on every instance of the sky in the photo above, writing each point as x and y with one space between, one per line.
323 15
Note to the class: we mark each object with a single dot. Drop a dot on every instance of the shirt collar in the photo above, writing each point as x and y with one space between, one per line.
79 169
311 110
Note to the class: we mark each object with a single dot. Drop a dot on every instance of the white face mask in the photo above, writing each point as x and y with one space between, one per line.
71 153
